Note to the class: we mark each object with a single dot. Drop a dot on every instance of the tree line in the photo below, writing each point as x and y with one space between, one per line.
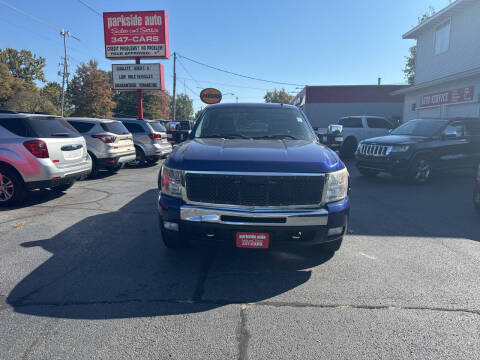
88 94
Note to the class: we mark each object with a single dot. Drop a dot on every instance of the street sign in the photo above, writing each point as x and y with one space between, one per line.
138 77
136 34
210 96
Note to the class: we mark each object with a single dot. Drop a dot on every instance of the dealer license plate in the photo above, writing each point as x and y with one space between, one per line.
253 240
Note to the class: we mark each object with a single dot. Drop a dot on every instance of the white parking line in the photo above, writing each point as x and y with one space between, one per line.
368 256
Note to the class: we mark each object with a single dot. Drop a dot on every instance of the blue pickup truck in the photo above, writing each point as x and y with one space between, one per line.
253 176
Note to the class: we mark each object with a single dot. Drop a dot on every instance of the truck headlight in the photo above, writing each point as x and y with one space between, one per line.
171 181
400 148
336 186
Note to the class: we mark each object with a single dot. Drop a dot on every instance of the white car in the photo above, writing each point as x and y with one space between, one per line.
358 128
109 143
37 152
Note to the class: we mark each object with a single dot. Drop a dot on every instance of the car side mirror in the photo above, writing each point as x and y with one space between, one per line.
449 135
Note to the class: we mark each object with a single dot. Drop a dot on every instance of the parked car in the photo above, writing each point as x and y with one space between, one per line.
149 138
421 146
332 137
178 131
109 143
39 152
253 175
476 191
358 128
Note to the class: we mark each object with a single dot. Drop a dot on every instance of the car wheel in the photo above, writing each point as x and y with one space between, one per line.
476 199
139 156
348 148
94 171
173 240
64 187
331 246
12 188
368 172
152 161
420 170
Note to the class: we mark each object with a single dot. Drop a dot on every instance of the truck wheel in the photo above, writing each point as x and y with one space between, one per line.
368 172
420 170
348 148
173 240
331 246
12 188
476 199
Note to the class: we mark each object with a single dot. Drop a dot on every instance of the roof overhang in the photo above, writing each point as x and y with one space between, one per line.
446 79
438 18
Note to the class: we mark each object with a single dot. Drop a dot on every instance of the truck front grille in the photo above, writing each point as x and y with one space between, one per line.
255 190
374 150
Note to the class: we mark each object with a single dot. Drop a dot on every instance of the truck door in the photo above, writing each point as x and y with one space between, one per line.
378 126
455 147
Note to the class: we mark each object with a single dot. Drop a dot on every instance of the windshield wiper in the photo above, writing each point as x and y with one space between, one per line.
226 136
277 137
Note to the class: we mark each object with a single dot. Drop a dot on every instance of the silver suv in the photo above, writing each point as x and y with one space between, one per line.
109 143
150 139
36 152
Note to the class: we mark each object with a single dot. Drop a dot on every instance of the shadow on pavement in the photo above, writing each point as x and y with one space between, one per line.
118 258
387 206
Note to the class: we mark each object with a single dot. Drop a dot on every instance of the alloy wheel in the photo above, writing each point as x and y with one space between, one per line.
423 171
6 188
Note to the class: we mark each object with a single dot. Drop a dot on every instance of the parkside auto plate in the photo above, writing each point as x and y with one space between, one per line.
252 240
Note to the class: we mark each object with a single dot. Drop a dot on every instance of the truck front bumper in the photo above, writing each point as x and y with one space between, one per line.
326 224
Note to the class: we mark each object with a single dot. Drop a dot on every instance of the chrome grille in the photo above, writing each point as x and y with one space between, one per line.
374 150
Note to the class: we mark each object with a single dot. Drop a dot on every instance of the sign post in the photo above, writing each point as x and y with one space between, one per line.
137 35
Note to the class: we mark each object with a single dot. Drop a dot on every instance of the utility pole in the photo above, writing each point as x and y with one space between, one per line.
64 33
174 84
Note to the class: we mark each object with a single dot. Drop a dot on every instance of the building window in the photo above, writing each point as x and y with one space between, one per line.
442 38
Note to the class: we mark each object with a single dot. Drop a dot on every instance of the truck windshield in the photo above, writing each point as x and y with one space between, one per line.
420 127
248 122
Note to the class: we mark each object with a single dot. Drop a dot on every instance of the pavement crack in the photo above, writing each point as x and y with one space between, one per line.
243 335
202 276
49 326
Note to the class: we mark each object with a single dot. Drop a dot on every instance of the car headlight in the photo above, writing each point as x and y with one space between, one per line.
171 181
336 186
400 148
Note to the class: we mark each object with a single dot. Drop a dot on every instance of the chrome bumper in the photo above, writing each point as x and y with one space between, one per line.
247 217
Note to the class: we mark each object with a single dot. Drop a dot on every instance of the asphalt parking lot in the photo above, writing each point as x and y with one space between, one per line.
85 275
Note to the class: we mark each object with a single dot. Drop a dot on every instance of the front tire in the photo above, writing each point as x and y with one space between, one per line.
12 188
420 170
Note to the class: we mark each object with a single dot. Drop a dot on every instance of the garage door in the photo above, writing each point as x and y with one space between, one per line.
460 110
430 112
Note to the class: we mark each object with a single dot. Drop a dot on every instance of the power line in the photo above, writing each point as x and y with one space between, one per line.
229 85
89 7
184 68
28 15
236 74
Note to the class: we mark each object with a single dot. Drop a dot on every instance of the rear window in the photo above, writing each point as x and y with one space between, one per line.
378 123
157 126
115 127
351 122
16 126
81 126
51 128
134 128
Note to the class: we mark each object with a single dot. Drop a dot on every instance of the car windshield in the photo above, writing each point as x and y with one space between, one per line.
420 127
249 122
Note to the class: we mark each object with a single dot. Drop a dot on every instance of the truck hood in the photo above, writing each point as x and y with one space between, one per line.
396 140
247 155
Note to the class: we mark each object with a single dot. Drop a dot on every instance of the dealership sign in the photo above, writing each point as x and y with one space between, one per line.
136 34
448 97
210 96
138 77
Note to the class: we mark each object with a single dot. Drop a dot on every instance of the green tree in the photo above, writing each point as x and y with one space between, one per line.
155 104
23 64
90 91
53 92
410 60
183 108
30 101
278 96
197 114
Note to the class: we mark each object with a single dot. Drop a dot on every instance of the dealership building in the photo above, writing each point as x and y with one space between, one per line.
324 105
447 76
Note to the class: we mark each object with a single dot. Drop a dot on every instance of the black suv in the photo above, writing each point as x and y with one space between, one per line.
421 146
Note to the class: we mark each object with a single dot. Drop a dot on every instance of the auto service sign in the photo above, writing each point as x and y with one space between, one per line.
138 77
210 96
136 34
